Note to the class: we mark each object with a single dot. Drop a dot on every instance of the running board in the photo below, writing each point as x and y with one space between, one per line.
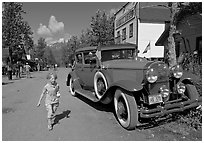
88 94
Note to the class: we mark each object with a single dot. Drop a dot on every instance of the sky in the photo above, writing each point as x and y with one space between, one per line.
58 21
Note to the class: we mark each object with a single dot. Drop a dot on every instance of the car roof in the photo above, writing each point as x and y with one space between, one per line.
109 47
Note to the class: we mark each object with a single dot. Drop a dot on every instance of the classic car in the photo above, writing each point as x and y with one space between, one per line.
138 88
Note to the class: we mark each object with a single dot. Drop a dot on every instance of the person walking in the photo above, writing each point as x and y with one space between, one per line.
18 70
9 68
38 66
51 91
27 68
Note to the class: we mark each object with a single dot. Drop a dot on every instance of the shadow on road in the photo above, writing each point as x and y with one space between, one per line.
97 105
6 110
61 116
5 83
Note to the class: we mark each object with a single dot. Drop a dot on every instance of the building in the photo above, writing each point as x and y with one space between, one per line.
141 23
189 36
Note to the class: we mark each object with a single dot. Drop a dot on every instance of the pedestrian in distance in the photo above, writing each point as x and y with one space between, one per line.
18 70
38 66
9 69
51 91
55 67
27 68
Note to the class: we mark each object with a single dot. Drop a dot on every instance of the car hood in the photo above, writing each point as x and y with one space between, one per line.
137 63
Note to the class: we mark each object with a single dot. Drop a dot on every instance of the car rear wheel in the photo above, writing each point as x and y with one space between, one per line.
100 84
126 109
71 87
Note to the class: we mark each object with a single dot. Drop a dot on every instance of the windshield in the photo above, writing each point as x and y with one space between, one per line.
117 54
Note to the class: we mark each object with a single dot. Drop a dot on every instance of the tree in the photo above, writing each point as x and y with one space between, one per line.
67 54
102 27
16 33
179 10
40 49
49 57
171 43
87 38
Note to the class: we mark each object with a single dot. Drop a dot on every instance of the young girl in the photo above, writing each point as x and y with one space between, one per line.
51 91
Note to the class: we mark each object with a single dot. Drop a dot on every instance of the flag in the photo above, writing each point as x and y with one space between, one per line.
98 53
147 48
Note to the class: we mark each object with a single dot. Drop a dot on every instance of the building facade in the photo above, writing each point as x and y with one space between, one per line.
141 23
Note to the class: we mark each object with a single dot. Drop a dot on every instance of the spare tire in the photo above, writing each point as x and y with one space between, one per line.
100 84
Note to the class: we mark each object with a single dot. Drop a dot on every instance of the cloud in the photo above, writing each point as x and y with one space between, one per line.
54 25
43 30
54 32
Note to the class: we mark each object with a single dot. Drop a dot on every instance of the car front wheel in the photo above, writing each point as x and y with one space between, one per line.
71 87
126 109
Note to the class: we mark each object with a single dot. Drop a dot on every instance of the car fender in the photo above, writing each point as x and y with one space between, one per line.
128 85
187 81
107 76
73 75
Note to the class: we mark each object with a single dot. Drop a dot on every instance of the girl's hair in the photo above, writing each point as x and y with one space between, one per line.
50 74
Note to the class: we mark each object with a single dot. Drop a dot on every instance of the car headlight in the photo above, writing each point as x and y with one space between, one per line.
164 91
177 71
181 88
151 75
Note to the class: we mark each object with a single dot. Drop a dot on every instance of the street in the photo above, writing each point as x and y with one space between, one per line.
78 118
23 120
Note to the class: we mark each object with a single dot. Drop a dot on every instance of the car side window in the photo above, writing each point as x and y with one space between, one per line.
79 58
89 56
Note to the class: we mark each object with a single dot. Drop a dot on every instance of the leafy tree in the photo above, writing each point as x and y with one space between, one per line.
87 38
179 10
49 57
16 33
102 27
65 55
40 48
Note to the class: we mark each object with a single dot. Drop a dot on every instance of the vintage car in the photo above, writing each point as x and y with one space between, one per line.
138 88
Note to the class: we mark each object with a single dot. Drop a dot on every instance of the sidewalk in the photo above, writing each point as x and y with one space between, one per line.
5 79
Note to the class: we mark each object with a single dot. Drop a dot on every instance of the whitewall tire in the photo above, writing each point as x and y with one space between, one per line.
71 87
126 109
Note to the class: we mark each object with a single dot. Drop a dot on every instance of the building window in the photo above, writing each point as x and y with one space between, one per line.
125 18
118 34
118 38
124 34
131 30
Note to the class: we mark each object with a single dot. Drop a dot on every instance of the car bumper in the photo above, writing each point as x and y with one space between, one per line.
170 108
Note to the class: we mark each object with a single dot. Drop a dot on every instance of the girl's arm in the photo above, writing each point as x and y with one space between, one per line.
42 95
58 92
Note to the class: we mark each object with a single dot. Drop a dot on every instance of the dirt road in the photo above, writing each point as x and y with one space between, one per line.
79 119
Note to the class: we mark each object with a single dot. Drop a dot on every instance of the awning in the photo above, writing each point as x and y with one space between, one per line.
163 37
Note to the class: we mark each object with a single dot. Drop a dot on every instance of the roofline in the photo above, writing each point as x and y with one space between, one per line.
121 8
